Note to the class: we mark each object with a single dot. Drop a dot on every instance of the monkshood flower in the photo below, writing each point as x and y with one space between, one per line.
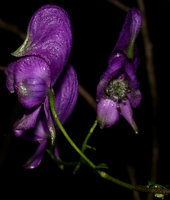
42 65
118 90
36 124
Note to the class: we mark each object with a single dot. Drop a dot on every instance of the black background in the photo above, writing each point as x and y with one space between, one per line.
96 26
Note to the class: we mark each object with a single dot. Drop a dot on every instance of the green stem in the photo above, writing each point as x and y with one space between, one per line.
55 116
84 145
59 161
102 174
140 188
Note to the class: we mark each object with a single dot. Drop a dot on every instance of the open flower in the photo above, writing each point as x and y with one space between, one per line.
44 55
118 90
42 65
39 123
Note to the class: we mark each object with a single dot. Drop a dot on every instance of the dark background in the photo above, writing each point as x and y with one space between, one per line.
96 26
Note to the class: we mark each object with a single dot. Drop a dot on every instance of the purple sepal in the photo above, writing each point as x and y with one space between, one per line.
36 159
127 113
30 78
107 113
27 122
66 93
49 36
130 30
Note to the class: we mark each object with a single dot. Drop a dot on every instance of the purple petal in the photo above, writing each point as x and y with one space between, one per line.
135 97
41 130
116 64
57 155
66 92
36 159
131 75
56 152
32 80
26 122
107 113
49 36
9 71
129 30
127 113
136 59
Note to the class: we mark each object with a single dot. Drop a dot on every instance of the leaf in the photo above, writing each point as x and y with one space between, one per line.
102 166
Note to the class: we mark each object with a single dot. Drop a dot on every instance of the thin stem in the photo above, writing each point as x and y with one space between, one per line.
140 188
119 5
87 97
133 181
84 145
12 28
104 175
148 47
149 55
55 116
59 161
2 68
89 135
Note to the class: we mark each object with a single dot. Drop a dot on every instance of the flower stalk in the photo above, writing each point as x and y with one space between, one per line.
154 190
55 116
84 145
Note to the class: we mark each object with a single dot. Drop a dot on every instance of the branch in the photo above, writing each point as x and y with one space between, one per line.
156 190
132 177
149 56
2 68
91 101
12 28
119 5
148 47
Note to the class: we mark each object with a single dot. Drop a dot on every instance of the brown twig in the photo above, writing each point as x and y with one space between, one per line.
119 5
148 47
131 173
12 28
87 96
2 68
149 56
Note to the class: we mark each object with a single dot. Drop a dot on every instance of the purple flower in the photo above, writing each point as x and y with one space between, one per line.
118 90
49 36
42 64
39 120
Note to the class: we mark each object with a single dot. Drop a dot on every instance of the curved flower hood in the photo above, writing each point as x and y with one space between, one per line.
49 36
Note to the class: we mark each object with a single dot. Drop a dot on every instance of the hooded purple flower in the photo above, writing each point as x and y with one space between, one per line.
118 90
40 121
43 65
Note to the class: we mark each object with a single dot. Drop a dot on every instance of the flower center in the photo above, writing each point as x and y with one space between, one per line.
117 89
